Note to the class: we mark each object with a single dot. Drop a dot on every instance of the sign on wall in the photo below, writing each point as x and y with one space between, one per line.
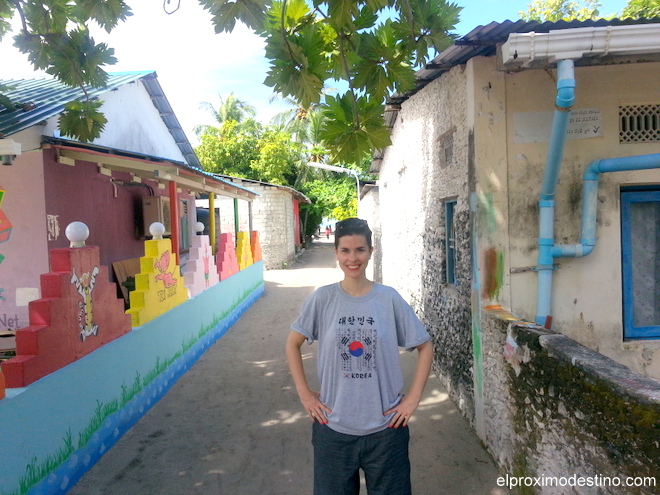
535 127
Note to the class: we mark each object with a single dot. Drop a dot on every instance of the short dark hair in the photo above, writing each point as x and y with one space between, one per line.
352 226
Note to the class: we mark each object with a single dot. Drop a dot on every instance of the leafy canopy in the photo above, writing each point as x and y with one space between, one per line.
557 10
55 36
249 150
370 47
637 9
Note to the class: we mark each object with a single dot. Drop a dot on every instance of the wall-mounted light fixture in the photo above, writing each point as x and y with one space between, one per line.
9 149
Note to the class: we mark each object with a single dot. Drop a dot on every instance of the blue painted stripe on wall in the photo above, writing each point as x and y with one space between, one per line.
43 423
66 476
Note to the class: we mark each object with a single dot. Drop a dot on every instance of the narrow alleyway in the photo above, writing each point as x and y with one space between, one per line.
233 424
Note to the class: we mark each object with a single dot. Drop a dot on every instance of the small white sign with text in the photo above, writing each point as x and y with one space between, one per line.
535 127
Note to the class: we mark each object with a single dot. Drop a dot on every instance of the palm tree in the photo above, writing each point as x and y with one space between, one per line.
229 109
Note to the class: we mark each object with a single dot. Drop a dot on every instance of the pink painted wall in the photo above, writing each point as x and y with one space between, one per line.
25 251
80 193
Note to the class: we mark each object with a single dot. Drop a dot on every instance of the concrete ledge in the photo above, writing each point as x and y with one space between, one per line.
623 379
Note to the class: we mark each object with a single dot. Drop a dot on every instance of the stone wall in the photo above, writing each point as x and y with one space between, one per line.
555 408
273 218
426 166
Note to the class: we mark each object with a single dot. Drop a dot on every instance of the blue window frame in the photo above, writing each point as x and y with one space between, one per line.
450 245
640 239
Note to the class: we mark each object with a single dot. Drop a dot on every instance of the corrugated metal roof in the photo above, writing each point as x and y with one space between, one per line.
294 192
45 97
483 41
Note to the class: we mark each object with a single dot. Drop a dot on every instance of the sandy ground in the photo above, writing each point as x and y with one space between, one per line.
233 424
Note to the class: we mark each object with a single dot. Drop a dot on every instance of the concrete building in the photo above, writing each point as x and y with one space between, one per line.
529 160
275 214
85 367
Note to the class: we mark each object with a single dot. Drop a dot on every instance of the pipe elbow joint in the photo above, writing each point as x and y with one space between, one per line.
588 246
592 172
565 94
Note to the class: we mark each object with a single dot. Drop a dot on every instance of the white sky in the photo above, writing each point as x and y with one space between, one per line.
194 64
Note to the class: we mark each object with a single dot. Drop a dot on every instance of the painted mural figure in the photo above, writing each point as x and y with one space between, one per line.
360 415
85 285
162 264
206 260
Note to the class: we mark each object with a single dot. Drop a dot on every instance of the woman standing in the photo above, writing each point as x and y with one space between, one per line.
360 416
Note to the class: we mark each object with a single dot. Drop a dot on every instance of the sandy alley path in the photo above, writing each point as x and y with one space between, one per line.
233 423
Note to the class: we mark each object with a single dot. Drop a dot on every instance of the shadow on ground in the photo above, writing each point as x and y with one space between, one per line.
233 423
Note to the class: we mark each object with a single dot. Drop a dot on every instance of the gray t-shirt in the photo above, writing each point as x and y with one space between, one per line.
358 356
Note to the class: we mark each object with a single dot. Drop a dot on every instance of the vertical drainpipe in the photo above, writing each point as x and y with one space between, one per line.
563 106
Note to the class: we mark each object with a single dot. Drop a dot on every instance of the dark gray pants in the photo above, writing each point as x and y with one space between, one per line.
382 456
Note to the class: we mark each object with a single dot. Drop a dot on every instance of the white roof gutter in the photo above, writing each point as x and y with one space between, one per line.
582 42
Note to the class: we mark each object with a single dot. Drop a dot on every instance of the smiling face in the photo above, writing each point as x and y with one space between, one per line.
353 254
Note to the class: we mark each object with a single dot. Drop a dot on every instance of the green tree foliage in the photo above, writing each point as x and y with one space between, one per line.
373 46
638 9
279 158
332 197
556 10
228 149
55 36
249 150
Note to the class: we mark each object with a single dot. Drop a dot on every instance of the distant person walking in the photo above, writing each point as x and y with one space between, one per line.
360 416
328 231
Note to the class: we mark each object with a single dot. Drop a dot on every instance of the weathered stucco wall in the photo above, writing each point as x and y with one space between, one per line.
587 291
427 165
558 409
540 392
369 210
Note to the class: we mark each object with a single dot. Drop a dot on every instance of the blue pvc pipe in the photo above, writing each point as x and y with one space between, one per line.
587 243
591 177
547 248
563 104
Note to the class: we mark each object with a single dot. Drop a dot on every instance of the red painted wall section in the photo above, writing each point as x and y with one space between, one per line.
256 247
79 312
109 209
297 238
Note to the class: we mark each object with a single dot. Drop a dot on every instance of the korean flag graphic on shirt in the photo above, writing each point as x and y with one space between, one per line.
357 351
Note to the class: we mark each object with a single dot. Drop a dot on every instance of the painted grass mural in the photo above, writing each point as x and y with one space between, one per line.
56 472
